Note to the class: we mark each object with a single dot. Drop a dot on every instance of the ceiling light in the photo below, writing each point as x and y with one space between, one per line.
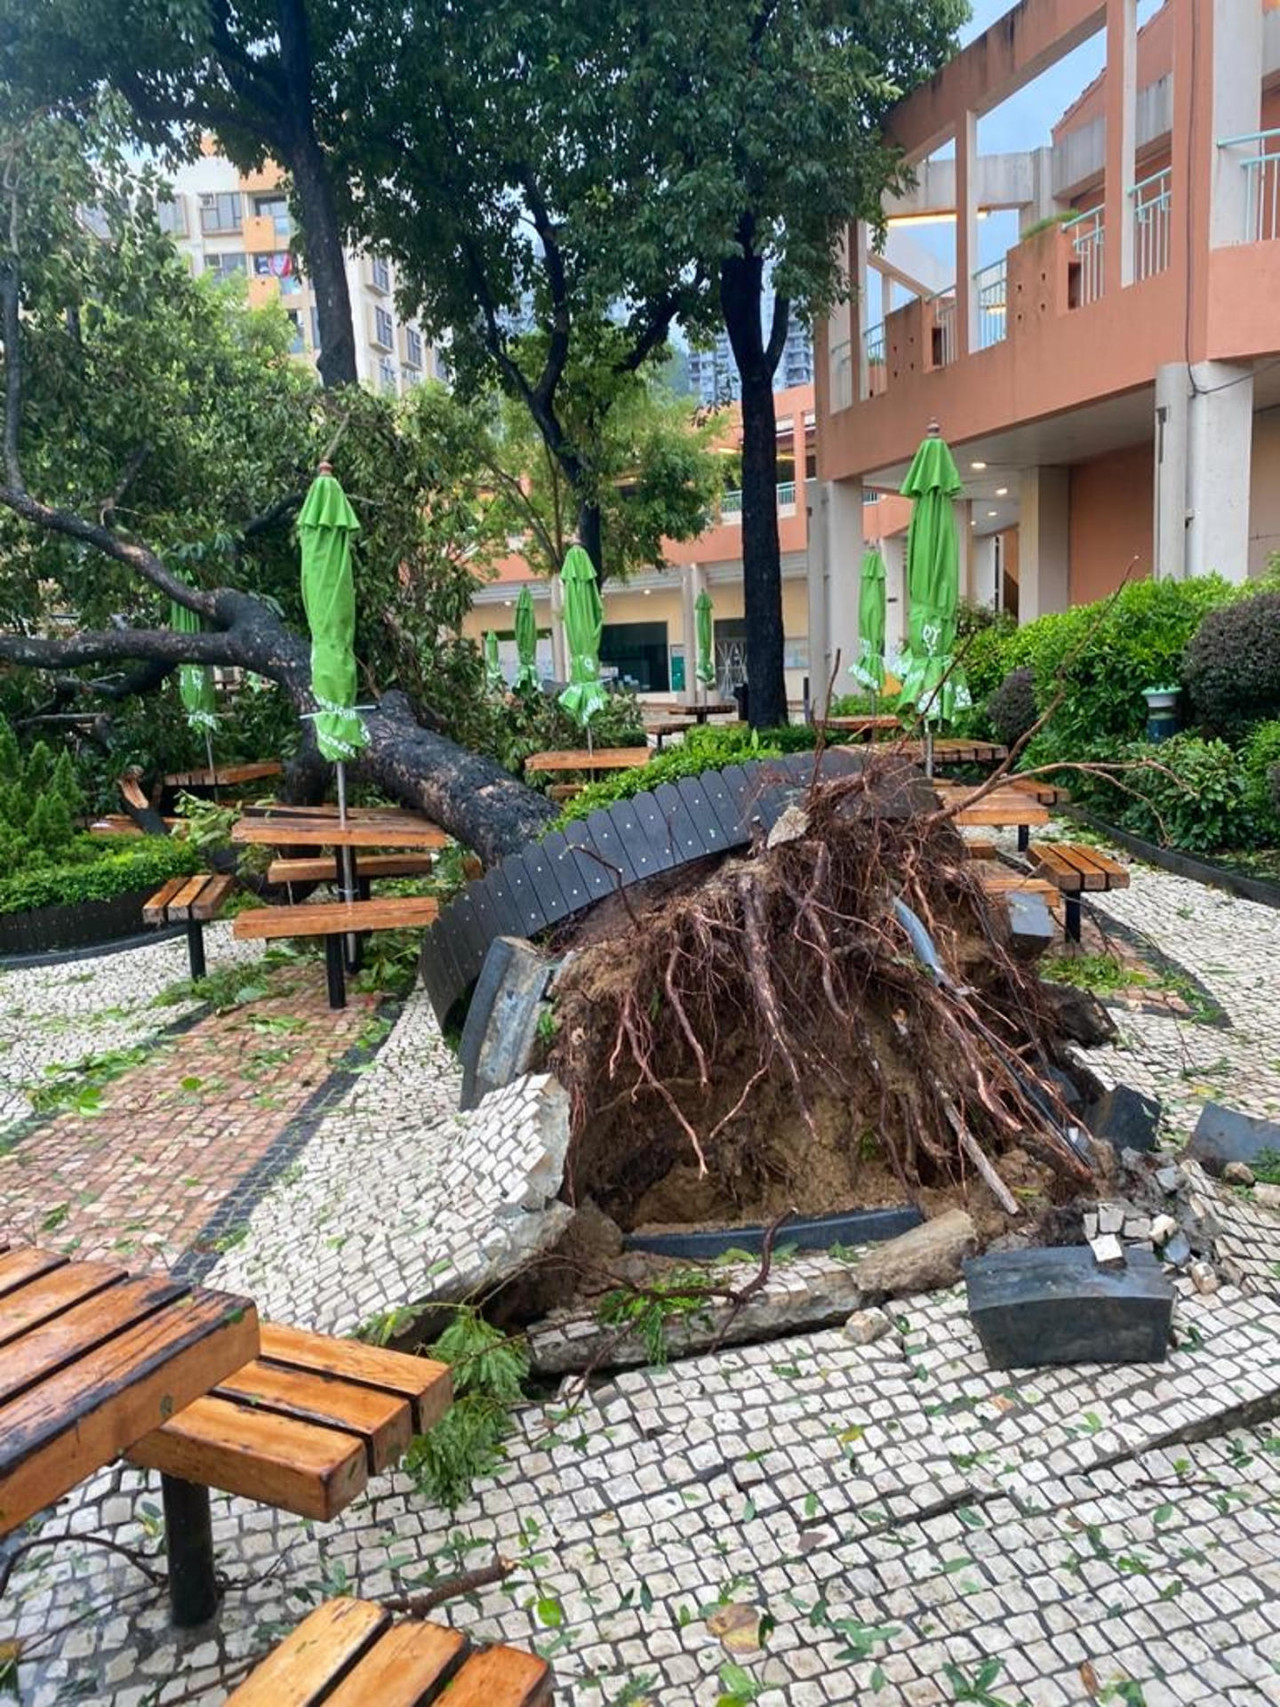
508 603
991 512
648 591
978 466
1002 491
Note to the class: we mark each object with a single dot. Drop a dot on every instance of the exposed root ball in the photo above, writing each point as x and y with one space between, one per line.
770 1029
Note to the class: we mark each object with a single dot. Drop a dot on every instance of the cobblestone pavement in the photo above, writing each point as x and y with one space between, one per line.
910 1527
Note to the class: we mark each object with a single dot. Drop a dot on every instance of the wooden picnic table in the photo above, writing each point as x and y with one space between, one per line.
598 759
864 724
223 775
91 1360
701 712
1007 806
318 827
675 726
955 750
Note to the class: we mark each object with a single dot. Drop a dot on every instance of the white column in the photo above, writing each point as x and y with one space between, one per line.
894 552
559 652
844 550
1122 104
966 233
1044 564
1219 447
1237 111
858 321
982 571
688 594
816 577
1169 524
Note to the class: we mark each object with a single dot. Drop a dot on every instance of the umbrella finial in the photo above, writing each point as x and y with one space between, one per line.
326 467
933 430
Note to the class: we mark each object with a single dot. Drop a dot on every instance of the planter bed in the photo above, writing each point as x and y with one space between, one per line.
1198 867
75 925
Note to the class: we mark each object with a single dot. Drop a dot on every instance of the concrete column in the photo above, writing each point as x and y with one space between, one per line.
858 321
894 552
1043 204
844 548
966 233
816 561
1122 101
1219 445
964 536
1044 564
1169 524
982 570
1235 54
688 593
559 652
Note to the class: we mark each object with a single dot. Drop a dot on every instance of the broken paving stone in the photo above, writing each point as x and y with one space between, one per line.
928 1257
1055 1305
1170 1180
1177 1250
1162 1229
1110 1217
1203 1277
1125 1118
1107 1250
1225 1135
1267 1195
1031 926
1237 1173
866 1326
737 1626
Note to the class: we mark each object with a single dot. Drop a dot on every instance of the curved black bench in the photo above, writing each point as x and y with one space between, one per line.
551 880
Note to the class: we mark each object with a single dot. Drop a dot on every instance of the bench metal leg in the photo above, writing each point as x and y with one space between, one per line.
1073 917
333 966
195 947
1024 837
188 1531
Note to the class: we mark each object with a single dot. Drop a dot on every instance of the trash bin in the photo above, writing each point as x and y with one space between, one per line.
740 695
1162 712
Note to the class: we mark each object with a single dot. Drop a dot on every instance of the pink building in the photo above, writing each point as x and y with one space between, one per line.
1111 385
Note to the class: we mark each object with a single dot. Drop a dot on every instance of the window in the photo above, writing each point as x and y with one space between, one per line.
220 212
412 377
225 266
384 328
276 209
279 265
296 344
387 374
412 347
380 273
172 216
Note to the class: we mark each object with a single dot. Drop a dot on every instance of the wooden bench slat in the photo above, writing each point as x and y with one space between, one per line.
580 759
64 1428
153 912
336 918
322 870
52 1293
1048 859
190 892
1077 859
325 1645
221 774
1091 861
408 1665
501 1677
978 847
215 891
50 1345
1003 881
301 1467
26 1264
384 1421
425 1383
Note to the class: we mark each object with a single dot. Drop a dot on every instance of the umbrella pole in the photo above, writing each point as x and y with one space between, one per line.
928 750
213 774
348 879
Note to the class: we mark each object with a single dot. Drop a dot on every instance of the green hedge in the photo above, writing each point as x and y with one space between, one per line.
705 749
144 863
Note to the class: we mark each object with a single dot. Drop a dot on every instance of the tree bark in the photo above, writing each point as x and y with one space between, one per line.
741 297
591 535
326 263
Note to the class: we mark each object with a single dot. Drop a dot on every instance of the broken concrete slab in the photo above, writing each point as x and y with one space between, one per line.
501 1030
1125 1118
1056 1305
1031 926
928 1257
1225 1135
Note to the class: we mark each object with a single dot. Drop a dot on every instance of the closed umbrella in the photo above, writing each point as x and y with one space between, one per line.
705 628
526 643
932 683
492 663
195 682
583 621
868 668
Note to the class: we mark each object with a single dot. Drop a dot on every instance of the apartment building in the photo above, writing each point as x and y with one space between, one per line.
713 373
648 635
233 225
1110 383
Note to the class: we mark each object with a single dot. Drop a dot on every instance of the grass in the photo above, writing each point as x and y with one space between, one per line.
1102 974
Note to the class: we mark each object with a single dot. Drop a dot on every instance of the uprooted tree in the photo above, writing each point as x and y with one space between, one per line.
157 442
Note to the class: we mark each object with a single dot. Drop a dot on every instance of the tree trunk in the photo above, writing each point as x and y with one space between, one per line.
326 263
591 536
741 297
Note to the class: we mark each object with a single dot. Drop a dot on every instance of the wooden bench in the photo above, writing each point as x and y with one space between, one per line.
334 920
980 847
1047 793
222 775
189 901
302 1427
1074 869
598 759
371 865
350 1653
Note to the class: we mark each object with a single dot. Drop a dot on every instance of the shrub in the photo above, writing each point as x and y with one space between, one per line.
1192 794
1260 763
1011 709
982 640
1231 666
40 800
144 863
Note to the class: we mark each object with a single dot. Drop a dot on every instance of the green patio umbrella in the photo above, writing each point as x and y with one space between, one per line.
932 684
492 663
326 524
868 667
195 682
526 643
583 620
705 629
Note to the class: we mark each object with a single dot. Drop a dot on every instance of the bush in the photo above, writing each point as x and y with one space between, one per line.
40 800
1231 666
1260 763
1011 709
145 863
1191 795
982 637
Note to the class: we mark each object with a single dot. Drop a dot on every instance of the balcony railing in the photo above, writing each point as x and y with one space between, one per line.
1087 237
1152 200
873 351
786 494
1261 167
840 360
731 502
989 290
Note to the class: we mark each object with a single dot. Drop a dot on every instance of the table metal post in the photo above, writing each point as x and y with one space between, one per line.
188 1529
1024 837
333 966
195 947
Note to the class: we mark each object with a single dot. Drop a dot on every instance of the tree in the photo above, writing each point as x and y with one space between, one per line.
246 74
149 422
760 131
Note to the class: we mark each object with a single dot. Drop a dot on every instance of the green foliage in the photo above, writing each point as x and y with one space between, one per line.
1011 709
143 863
489 1370
1185 792
535 723
1265 1167
40 799
1104 974
647 1313
1260 762
78 1086
1231 666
